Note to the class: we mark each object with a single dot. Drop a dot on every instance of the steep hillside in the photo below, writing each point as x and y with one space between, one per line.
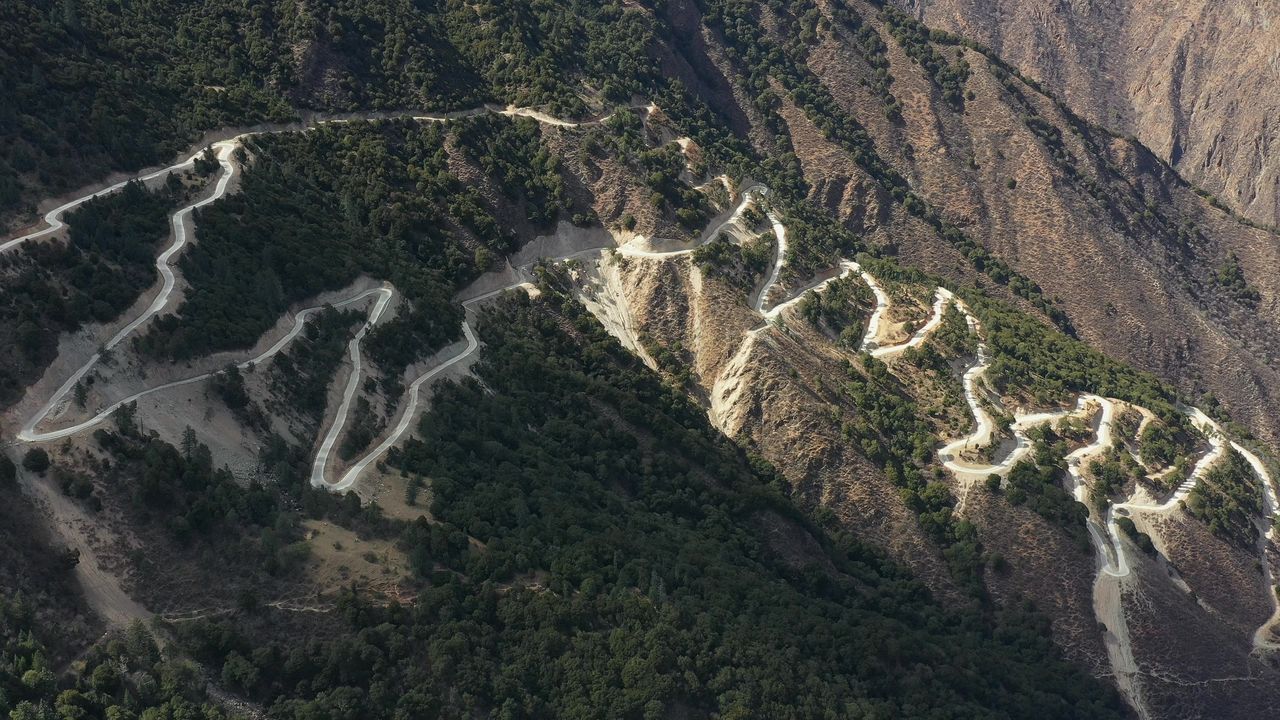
96 86
1030 185
54 655
1027 505
1195 81
676 359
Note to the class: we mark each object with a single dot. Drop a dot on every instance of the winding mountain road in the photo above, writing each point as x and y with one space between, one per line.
985 424
779 258
53 218
1110 548
847 268
182 224
749 196
348 392
407 415
943 298
877 315
30 434
1112 560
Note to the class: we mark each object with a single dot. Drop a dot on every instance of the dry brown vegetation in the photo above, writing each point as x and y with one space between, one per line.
1155 70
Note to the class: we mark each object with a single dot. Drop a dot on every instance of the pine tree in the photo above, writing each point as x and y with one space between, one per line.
188 443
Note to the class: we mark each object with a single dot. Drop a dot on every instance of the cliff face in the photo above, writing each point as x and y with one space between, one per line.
1197 81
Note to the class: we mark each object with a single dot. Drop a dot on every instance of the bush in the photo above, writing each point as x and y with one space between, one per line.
36 460
1141 539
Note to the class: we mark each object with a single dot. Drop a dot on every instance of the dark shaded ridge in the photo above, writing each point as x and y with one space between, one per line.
619 569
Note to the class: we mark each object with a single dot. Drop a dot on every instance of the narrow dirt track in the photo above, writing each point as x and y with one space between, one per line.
1110 548
183 230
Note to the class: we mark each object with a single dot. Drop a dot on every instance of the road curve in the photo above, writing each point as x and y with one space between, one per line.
985 424
348 392
182 232
29 433
847 268
1217 449
749 195
352 475
1110 559
779 258
877 315
985 427
943 298
53 218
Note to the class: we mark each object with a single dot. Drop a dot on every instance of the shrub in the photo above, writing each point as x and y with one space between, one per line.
36 460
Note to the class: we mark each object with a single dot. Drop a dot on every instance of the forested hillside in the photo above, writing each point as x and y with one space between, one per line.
98 85
681 358
45 628
53 288
635 564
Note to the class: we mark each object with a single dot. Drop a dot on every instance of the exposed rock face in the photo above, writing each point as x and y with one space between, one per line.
1093 219
1101 223
1197 81
776 390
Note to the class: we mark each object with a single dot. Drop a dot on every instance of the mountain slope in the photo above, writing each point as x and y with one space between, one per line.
1057 200
858 248
1194 81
